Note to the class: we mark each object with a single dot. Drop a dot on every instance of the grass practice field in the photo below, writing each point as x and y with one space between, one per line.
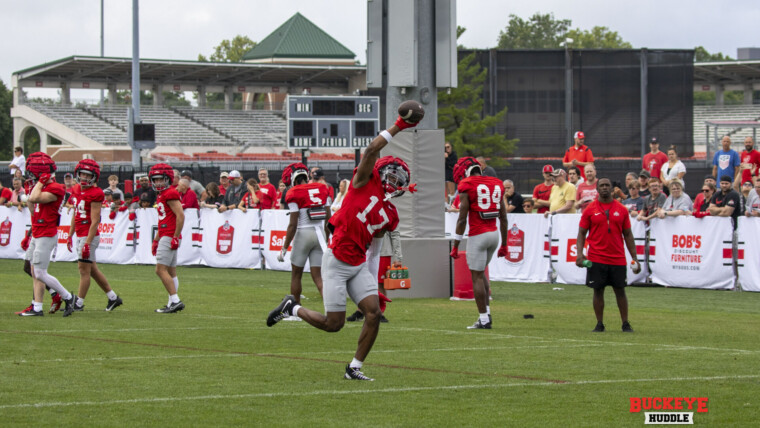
217 364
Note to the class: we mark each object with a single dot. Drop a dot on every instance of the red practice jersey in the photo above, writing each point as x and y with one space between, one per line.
248 200
45 217
542 192
653 163
605 224
82 200
305 196
364 213
752 157
167 220
268 193
484 194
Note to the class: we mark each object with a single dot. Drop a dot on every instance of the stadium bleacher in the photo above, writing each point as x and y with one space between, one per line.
724 113
250 127
83 122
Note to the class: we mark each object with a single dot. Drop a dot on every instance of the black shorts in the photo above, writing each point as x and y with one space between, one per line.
600 275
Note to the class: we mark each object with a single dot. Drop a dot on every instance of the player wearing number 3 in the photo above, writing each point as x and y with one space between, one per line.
480 205
171 218
88 198
364 217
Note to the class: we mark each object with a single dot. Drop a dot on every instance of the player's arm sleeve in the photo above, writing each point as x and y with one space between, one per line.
373 256
395 237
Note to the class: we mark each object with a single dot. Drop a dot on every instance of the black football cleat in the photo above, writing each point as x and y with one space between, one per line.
479 325
627 327
70 305
599 328
115 303
353 373
284 309
171 308
356 316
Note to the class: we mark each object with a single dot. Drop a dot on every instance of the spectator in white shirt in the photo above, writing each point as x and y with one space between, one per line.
18 162
753 201
678 203
672 169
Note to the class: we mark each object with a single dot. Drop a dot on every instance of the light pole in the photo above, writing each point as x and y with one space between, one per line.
568 92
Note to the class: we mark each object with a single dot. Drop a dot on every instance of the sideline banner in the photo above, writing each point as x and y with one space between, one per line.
691 252
229 238
61 252
274 227
13 227
639 230
114 246
564 249
749 253
146 225
450 225
525 244
189 252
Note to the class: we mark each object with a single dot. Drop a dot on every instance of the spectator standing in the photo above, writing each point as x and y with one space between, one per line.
674 168
281 189
68 184
752 208
342 189
586 192
562 199
542 191
678 203
16 194
234 193
654 160
268 192
574 176
224 182
214 198
634 203
746 189
725 161
579 154
187 196
318 176
750 163
653 202
644 183
607 227
145 189
726 202
487 170
113 184
19 161
252 198
702 209
145 201
630 178
195 185
512 199
700 198
450 157
528 205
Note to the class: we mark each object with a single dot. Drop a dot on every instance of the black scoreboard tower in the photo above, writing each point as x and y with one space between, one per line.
332 122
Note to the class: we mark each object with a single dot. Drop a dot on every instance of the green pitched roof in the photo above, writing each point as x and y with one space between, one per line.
299 38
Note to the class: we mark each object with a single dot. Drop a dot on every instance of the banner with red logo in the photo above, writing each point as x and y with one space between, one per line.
230 239
691 252
749 253
13 227
114 246
526 234
564 250
274 227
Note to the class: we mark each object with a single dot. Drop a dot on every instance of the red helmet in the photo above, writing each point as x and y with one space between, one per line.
88 166
161 170
464 168
37 163
394 174
292 171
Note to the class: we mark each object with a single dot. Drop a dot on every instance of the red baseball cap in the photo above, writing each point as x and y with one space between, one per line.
580 135
548 168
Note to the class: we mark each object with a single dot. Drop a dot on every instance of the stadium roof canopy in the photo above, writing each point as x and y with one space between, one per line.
78 70
727 73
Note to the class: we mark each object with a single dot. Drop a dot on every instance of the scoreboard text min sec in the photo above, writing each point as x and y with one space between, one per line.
320 122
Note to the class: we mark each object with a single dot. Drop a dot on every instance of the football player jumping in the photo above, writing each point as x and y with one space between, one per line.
480 205
362 220
171 218
87 199
309 206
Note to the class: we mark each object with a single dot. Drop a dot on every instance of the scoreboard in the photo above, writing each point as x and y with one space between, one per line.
332 122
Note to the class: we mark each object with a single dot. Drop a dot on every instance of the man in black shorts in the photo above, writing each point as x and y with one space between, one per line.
607 223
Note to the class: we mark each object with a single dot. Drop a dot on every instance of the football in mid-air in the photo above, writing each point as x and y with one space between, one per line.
411 111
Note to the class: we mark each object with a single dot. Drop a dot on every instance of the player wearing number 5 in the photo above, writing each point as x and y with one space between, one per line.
171 218
607 223
309 206
87 199
480 205
364 217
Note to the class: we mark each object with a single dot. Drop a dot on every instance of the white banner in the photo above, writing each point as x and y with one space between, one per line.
61 252
13 227
189 252
749 253
115 247
230 239
691 252
525 245
274 224
564 249
146 225
639 230
450 225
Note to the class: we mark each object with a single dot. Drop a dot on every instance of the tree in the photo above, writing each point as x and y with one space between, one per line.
701 55
538 32
460 114
6 124
597 38
230 50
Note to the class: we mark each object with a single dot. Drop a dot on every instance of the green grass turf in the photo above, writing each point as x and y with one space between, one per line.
216 363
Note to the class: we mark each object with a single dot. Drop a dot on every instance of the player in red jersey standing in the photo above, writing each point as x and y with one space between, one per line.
87 199
309 206
359 225
480 205
607 223
171 218
47 197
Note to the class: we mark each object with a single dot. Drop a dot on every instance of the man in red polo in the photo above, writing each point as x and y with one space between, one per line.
607 223
543 190
654 160
750 163
579 154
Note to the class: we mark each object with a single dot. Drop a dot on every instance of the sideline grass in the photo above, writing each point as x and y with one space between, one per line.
216 363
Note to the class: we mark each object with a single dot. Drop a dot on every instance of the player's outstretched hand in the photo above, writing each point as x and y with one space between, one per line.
502 251
86 251
70 244
402 124
154 248
454 253
175 243
281 256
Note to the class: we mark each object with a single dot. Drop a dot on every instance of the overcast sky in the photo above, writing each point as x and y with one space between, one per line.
38 31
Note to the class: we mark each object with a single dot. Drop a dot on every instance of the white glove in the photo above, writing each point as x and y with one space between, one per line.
281 256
